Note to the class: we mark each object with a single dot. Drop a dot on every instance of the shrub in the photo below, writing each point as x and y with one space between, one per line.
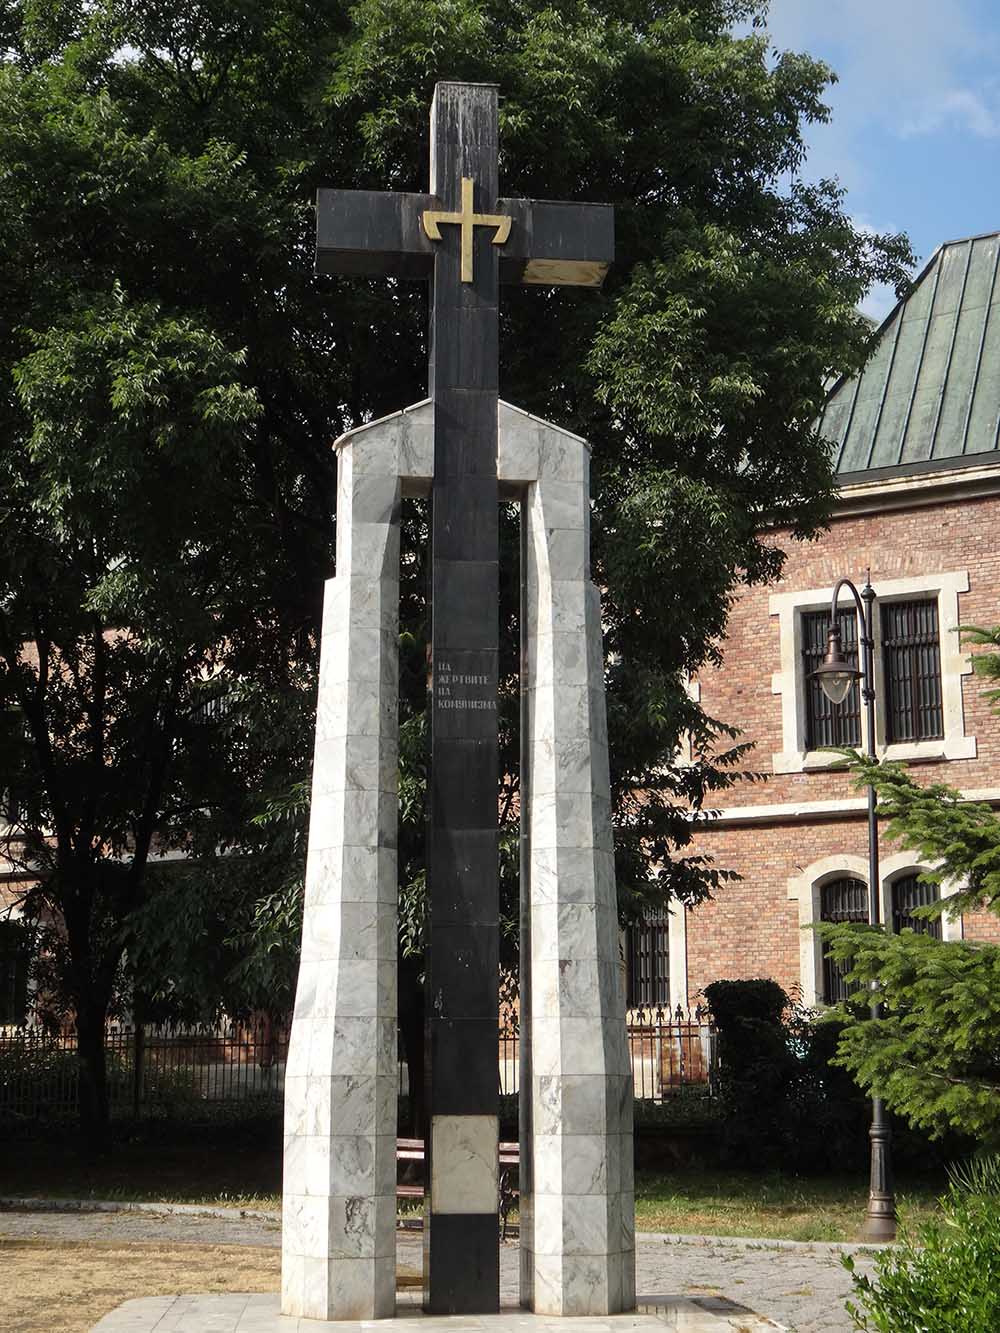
948 1279
782 1103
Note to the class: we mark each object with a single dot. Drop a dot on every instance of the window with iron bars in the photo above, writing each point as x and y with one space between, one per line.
908 893
13 973
911 661
829 723
841 900
648 958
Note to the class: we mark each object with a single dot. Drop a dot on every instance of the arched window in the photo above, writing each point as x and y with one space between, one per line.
840 900
648 947
908 893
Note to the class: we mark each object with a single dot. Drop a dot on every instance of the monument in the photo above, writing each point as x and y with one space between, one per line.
465 449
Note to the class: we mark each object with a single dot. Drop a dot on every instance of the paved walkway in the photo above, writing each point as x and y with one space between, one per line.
801 1286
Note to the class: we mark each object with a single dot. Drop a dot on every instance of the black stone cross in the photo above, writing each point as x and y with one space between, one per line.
464 240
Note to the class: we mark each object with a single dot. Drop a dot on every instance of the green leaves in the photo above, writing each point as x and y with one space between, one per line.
960 840
933 1055
945 1279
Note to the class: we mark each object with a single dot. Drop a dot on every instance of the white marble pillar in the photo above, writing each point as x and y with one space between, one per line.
577 1204
339 1200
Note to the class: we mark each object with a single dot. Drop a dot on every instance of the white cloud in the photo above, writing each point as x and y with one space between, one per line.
960 109
879 301
906 67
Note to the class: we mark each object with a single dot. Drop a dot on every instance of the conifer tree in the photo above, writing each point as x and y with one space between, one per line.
934 1053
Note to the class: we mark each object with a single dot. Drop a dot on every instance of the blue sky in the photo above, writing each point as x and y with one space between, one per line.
915 130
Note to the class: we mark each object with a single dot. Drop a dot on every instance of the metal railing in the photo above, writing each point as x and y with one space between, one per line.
162 1071
151 1071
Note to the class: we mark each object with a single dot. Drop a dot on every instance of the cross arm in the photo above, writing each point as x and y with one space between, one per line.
380 233
557 244
373 232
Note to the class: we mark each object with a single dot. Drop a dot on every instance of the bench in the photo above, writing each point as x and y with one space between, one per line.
412 1150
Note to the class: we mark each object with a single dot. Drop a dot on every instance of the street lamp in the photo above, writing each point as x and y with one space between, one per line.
836 676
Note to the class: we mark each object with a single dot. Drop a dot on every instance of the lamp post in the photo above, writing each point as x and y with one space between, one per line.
836 676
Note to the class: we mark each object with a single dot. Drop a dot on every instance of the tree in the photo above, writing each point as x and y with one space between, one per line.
174 373
934 1054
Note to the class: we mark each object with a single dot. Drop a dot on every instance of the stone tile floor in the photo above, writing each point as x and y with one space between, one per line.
259 1314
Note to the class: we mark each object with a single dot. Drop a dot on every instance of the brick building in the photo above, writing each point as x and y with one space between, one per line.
916 439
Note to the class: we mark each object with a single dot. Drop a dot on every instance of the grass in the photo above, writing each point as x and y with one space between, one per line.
768 1205
243 1169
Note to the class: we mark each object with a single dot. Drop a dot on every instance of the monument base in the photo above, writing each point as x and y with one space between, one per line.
260 1314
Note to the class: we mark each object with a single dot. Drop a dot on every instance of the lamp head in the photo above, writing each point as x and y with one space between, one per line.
835 674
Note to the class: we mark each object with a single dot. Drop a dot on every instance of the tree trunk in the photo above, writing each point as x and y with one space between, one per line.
95 1119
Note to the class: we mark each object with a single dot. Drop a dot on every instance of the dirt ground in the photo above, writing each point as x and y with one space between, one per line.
66 1287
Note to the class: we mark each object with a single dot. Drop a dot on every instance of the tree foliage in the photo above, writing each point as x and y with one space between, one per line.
173 374
946 1279
934 1053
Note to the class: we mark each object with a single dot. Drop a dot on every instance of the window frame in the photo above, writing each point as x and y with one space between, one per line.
656 924
789 681
932 892
851 647
804 890
828 966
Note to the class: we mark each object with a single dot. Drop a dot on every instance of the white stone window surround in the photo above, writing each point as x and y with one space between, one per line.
805 889
789 681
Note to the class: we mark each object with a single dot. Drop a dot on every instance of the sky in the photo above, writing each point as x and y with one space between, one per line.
915 129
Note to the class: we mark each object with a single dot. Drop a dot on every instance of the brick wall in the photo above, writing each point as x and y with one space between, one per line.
752 929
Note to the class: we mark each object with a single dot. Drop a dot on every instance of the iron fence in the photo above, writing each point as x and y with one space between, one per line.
151 1071
161 1071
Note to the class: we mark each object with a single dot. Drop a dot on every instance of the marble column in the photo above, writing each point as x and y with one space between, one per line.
339 1201
577 1205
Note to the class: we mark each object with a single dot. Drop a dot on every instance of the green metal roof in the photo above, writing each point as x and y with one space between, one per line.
930 394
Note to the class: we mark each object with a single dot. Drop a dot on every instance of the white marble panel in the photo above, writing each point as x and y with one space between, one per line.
416 449
353 1228
374 498
345 762
292 1281
564 606
364 873
565 930
568 554
568 987
368 600
590 1042
570 1104
563 457
517 457
565 504
574 1285
355 708
561 660
564 713
352 1166
575 1224
566 765
464 1169
574 1164
373 450
304 1217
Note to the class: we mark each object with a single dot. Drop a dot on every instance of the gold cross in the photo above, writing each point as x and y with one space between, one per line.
466 219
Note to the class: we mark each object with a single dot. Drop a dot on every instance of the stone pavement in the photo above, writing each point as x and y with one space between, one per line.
259 1314
801 1286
